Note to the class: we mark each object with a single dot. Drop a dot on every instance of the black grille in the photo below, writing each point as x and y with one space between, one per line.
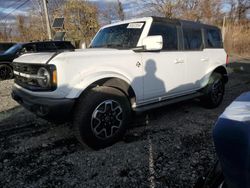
30 69
26 68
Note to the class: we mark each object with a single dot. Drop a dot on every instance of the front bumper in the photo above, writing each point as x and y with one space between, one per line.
47 108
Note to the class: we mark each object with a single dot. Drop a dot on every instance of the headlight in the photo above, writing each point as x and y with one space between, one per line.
44 79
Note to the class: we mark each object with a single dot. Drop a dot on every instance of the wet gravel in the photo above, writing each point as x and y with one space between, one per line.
167 147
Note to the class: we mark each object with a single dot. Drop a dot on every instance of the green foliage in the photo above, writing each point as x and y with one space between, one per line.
81 20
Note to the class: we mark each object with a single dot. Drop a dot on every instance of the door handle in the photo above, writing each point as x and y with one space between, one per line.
204 59
177 61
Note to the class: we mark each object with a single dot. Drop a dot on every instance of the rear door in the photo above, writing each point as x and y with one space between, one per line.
214 47
197 60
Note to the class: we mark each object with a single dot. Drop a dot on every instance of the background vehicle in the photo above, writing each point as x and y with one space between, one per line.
131 66
231 139
5 46
6 69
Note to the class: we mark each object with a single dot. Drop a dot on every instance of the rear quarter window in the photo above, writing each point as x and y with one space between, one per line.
213 38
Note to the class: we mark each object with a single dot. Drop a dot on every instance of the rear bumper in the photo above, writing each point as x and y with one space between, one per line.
47 108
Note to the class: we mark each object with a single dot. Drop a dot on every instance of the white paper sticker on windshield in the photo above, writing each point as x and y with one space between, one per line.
135 25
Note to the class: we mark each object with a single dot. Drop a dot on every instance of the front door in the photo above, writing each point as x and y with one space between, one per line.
165 71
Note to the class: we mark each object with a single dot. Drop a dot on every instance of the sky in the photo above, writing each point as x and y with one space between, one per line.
8 6
8 9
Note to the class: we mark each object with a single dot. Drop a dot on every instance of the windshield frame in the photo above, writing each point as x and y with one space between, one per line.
142 30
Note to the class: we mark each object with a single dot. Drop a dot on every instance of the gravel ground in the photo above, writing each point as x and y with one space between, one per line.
167 147
5 100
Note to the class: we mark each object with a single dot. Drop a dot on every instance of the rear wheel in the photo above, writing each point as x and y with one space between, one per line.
6 72
101 117
214 91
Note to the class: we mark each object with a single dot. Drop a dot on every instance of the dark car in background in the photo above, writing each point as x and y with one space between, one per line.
6 58
5 46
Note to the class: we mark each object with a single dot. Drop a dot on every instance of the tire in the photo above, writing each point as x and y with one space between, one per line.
213 179
101 117
213 92
6 72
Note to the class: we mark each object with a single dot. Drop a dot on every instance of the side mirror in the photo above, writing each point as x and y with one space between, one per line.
152 43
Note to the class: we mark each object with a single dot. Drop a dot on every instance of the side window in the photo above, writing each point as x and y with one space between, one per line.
29 48
39 47
44 47
214 38
60 45
192 39
168 33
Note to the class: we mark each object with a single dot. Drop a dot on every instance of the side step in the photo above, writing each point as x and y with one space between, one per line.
167 102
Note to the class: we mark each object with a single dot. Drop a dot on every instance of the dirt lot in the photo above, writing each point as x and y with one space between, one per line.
168 147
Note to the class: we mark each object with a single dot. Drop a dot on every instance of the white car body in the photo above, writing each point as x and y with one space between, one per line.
177 73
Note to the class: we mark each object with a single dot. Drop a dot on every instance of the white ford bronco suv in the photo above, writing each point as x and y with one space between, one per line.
130 66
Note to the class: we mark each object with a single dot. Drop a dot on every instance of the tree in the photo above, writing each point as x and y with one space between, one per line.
238 9
242 8
207 11
5 32
166 8
36 27
112 11
81 20
107 15
190 9
22 28
120 11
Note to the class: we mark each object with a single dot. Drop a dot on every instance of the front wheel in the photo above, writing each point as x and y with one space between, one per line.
214 91
101 117
6 72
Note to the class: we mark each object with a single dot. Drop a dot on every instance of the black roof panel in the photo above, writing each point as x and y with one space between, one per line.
183 22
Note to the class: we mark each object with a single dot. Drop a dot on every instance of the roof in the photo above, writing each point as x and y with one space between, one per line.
144 19
162 19
183 22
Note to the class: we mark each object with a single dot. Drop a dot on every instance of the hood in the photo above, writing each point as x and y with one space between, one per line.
35 58
93 52
45 57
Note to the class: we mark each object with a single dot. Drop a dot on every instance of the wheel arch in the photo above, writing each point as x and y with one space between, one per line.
116 83
223 71
6 63
10 75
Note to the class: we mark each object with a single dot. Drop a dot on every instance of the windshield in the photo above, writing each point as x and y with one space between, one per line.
13 49
123 36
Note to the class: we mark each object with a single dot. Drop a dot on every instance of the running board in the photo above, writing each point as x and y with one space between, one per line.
167 102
